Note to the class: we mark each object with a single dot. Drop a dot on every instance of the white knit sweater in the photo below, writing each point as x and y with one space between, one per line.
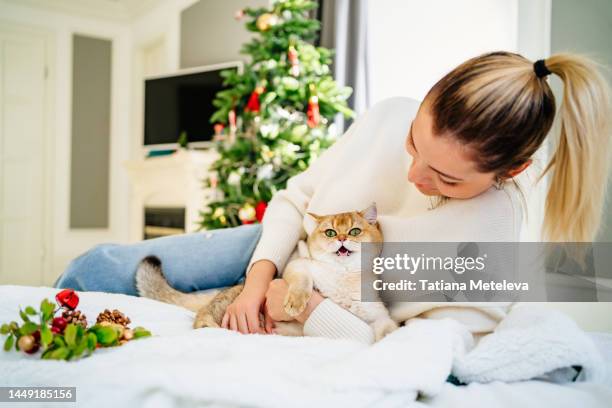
368 164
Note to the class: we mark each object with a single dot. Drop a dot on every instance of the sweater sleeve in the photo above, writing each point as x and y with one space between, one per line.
334 322
282 223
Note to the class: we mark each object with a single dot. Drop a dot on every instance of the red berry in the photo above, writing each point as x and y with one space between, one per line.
36 335
60 323
56 330
34 349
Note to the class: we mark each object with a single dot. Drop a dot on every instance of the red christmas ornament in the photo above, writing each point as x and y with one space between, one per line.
313 114
253 104
260 210
67 298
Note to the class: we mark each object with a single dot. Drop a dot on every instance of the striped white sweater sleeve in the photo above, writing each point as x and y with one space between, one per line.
334 322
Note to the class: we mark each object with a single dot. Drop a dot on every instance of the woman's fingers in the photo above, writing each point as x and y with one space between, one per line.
233 324
243 327
254 322
269 322
225 321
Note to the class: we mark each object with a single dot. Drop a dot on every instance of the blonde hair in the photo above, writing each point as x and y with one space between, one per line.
498 106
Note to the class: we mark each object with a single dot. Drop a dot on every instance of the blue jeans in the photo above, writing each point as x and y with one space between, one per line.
195 261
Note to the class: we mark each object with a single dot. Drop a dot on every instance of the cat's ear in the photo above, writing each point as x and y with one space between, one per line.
370 213
317 218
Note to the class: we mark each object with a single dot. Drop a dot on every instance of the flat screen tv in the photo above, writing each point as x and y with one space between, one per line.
182 102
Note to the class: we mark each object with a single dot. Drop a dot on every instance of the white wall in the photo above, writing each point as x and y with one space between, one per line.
66 243
146 45
414 43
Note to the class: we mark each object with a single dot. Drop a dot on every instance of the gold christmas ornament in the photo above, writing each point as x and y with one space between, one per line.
265 21
247 213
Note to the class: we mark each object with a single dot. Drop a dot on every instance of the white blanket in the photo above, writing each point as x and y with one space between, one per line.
184 367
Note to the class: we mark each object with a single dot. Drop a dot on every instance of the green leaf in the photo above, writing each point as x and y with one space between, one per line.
70 334
46 337
80 348
106 335
30 310
61 353
92 341
46 355
47 308
28 328
5 329
59 341
9 343
24 316
140 332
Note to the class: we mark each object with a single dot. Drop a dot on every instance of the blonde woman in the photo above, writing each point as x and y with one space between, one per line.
476 130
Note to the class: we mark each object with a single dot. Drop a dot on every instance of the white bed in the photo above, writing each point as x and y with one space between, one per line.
181 367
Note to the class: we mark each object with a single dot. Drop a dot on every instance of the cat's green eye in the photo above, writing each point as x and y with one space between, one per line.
330 232
355 231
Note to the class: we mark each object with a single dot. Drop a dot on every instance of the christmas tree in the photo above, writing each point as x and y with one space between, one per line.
275 118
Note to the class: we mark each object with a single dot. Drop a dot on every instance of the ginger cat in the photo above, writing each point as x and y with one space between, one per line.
328 261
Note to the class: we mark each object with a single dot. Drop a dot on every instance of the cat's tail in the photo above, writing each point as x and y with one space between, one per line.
152 284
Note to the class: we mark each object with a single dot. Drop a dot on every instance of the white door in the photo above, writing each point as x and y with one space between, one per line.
22 159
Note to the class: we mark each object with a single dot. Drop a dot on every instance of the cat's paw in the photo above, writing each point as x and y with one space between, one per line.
383 327
204 320
296 302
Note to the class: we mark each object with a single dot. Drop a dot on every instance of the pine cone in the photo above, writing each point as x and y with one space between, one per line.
75 317
115 317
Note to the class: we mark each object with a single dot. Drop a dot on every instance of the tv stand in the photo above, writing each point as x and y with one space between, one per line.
171 181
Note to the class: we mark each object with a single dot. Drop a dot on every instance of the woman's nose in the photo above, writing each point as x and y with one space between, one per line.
417 173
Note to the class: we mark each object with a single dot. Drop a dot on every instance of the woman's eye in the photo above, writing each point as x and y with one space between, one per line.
330 232
355 231
448 183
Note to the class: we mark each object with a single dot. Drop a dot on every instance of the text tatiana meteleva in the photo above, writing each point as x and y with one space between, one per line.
424 284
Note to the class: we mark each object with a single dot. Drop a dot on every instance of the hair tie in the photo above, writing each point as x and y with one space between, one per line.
540 69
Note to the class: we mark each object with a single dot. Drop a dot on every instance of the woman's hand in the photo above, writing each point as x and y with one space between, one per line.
243 314
275 298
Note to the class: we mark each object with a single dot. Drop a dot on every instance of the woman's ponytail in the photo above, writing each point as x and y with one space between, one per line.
580 161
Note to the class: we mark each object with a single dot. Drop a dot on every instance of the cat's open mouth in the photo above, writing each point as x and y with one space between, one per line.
343 251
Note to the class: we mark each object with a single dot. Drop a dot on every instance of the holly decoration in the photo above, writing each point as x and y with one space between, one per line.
277 113
66 337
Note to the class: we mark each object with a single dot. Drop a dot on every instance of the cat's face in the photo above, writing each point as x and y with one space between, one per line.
338 237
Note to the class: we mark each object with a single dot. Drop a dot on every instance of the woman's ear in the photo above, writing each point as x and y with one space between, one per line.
370 214
518 170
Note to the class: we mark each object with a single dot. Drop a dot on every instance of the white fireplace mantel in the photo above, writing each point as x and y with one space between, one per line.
175 180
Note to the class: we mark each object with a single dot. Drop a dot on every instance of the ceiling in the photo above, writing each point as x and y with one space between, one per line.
118 10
